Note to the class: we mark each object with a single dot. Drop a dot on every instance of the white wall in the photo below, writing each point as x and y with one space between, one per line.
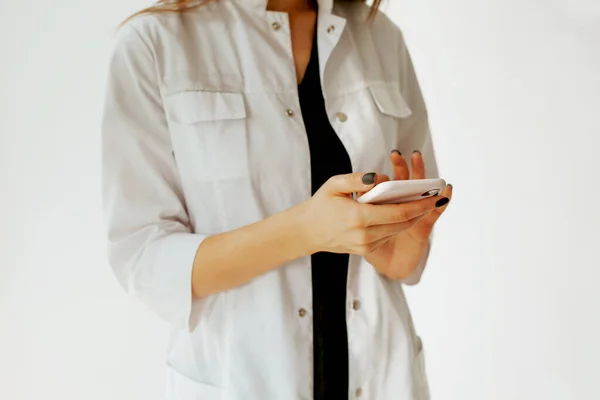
509 306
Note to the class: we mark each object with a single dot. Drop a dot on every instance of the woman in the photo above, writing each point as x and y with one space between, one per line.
234 137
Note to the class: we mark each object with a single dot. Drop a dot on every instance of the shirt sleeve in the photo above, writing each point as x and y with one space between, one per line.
151 245
415 134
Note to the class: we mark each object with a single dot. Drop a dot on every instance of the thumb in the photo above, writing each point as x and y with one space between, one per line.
350 183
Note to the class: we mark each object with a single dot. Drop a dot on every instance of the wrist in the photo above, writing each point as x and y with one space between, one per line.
302 228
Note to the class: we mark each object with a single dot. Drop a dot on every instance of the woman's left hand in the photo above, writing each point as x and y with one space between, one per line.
399 257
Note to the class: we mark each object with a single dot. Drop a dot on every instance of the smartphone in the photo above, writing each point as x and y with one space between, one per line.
396 192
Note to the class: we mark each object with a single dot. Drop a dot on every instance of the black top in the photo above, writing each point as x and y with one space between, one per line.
329 270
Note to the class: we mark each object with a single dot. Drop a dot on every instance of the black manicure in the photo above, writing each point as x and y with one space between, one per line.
442 202
369 179
417 152
397 151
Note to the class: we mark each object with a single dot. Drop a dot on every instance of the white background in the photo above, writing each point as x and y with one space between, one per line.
509 306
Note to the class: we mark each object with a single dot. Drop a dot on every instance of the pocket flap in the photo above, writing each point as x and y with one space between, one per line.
201 106
390 102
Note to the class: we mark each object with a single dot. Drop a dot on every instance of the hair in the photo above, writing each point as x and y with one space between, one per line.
181 6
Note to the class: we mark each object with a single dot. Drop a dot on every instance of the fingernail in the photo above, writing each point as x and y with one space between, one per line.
417 152
369 179
450 186
442 202
396 151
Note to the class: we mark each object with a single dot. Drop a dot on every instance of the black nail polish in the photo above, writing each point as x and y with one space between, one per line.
442 202
396 151
369 179
417 152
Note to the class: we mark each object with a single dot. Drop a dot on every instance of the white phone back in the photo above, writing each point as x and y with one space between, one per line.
396 192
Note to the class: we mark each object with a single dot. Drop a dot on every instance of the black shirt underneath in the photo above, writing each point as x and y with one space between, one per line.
329 270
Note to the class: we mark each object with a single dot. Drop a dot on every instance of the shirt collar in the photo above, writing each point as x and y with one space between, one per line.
325 6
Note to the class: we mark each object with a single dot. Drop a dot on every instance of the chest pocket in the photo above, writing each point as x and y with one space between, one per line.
389 101
392 116
209 134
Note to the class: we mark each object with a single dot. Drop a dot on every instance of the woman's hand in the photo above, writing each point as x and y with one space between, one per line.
333 221
401 254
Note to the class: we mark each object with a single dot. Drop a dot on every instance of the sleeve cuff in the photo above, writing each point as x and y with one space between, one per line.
169 290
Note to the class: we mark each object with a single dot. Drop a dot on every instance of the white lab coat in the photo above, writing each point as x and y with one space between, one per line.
202 133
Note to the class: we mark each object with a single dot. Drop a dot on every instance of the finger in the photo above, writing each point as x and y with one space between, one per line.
434 215
379 179
396 213
382 178
350 183
378 233
447 192
418 165
401 171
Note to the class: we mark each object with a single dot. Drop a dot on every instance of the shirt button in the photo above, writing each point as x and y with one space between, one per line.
330 28
302 313
342 117
356 305
290 112
358 392
276 26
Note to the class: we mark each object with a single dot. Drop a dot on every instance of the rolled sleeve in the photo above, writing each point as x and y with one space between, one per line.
151 242
165 276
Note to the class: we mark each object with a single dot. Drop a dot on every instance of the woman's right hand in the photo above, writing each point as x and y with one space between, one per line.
333 221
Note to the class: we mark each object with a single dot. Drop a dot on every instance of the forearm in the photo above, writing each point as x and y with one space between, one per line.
227 260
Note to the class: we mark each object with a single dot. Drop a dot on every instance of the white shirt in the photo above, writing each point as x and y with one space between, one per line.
202 133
